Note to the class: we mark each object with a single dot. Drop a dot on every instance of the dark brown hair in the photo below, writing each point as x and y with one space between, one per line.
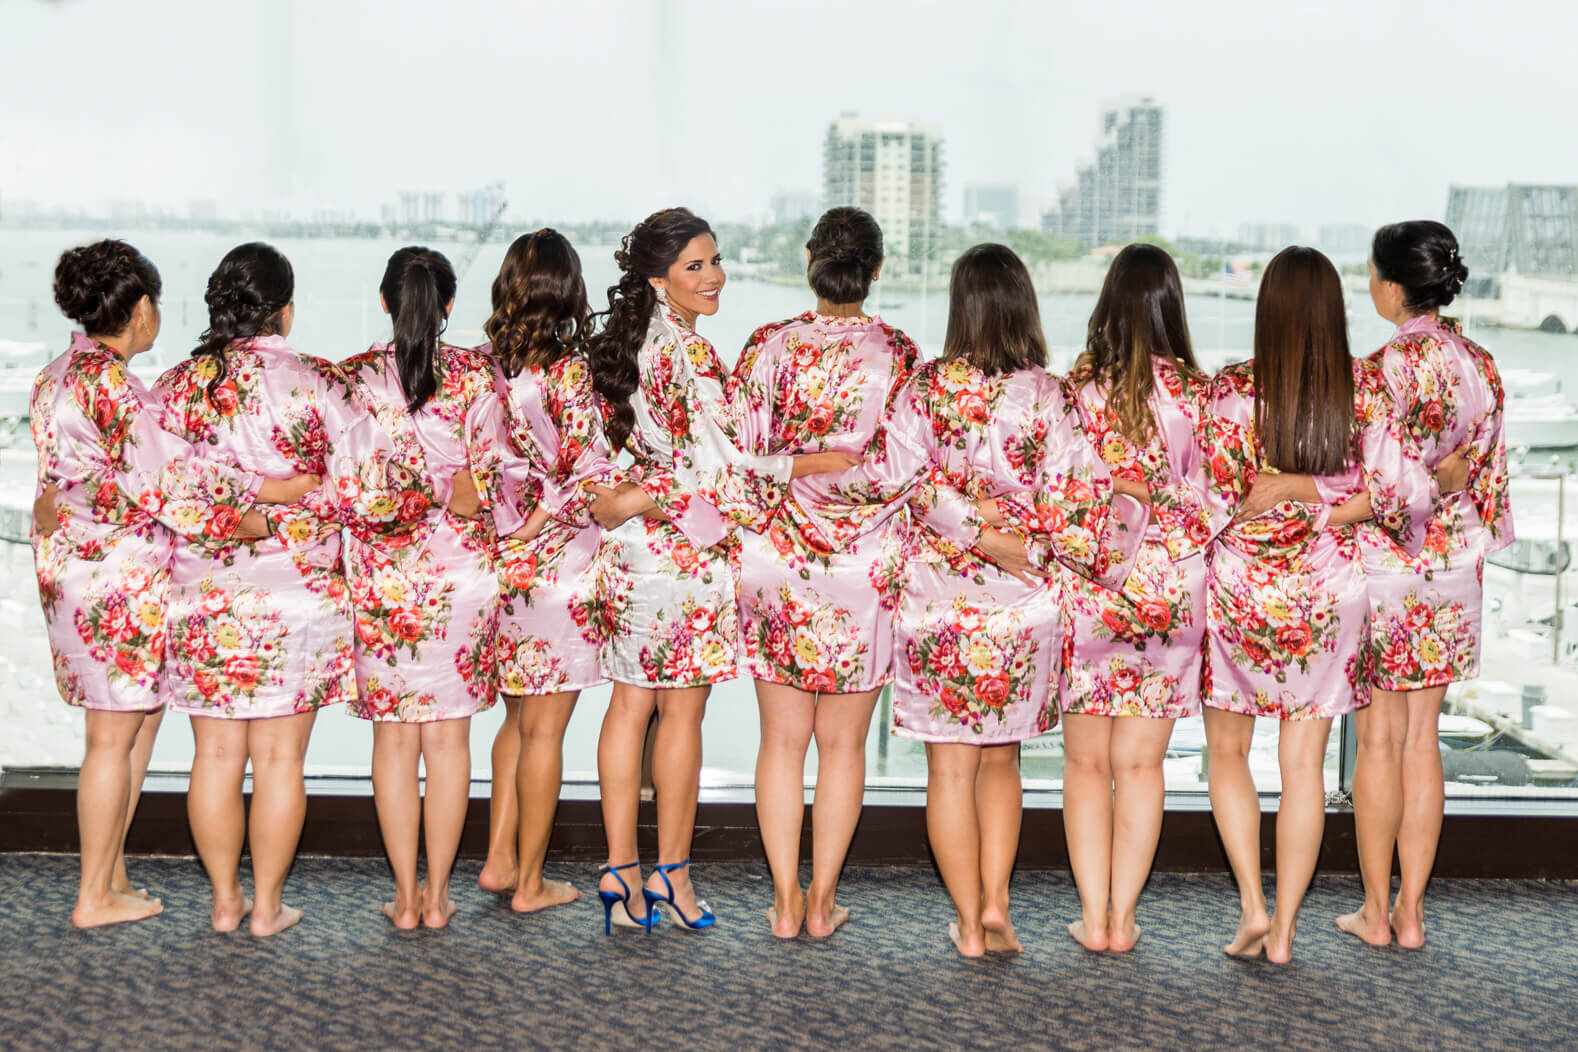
539 303
246 295
846 250
418 286
1303 372
1422 256
646 252
1139 316
994 322
98 286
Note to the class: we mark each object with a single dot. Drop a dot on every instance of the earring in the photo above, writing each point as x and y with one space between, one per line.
662 295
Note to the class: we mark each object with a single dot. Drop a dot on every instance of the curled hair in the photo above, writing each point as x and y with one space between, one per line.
539 303
418 287
1139 317
247 295
1303 371
846 250
646 252
1422 256
994 322
98 286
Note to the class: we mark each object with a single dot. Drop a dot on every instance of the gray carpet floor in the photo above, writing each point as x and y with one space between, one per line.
1500 972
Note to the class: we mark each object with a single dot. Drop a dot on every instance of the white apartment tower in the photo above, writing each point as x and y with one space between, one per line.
892 169
1117 197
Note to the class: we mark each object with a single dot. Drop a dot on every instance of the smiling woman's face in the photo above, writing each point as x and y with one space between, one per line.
694 279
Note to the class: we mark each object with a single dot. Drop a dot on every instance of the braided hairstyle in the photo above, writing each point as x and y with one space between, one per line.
418 287
98 286
539 303
1422 256
646 252
846 250
247 295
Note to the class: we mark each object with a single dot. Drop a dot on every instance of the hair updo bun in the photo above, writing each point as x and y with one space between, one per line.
246 296
98 285
846 250
1422 256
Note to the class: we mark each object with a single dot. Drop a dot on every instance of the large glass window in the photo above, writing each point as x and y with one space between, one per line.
339 133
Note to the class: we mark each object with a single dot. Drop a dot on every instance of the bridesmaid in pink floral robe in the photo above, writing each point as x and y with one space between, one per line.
978 647
424 582
1425 608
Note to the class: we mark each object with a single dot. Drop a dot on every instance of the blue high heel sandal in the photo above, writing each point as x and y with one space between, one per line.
706 920
613 898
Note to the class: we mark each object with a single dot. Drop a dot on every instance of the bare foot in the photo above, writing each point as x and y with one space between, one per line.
821 925
286 916
785 923
226 915
1000 937
1095 942
973 945
127 889
1409 924
116 909
437 916
547 894
1279 945
1375 932
1250 939
499 879
402 916
1122 935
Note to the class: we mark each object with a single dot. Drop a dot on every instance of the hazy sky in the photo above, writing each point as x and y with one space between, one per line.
1348 110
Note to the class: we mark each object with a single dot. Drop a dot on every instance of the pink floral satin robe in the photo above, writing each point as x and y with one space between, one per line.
975 649
125 484
548 641
1287 612
424 582
666 593
1425 609
812 616
1137 651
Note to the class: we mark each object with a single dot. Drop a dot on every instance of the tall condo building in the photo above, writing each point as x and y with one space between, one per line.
892 169
1522 228
1117 197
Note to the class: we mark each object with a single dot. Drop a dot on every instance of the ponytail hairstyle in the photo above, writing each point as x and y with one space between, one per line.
646 252
247 295
540 312
1139 316
418 287
98 286
1303 372
994 322
846 250
1422 256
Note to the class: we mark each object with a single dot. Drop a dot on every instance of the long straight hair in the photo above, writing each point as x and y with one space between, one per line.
1303 371
418 286
540 312
994 322
1139 317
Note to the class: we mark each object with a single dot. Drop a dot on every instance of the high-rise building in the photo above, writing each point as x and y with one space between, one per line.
995 205
1530 230
791 206
1268 237
1343 239
478 207
892 169
1118 196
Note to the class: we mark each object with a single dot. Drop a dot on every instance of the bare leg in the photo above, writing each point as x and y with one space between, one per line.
1377 809
142 749
1424 798
278 747
1301 818
953 826
1139 745
103 793
1087 822
446 756
676 775
788 716
999 808
538 778
499 873
619 750
842 723
215 810
1236 807
397 748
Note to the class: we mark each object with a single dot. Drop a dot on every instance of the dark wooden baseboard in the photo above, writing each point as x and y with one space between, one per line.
38 813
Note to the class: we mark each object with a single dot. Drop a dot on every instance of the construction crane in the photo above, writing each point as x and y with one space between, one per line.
483 234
